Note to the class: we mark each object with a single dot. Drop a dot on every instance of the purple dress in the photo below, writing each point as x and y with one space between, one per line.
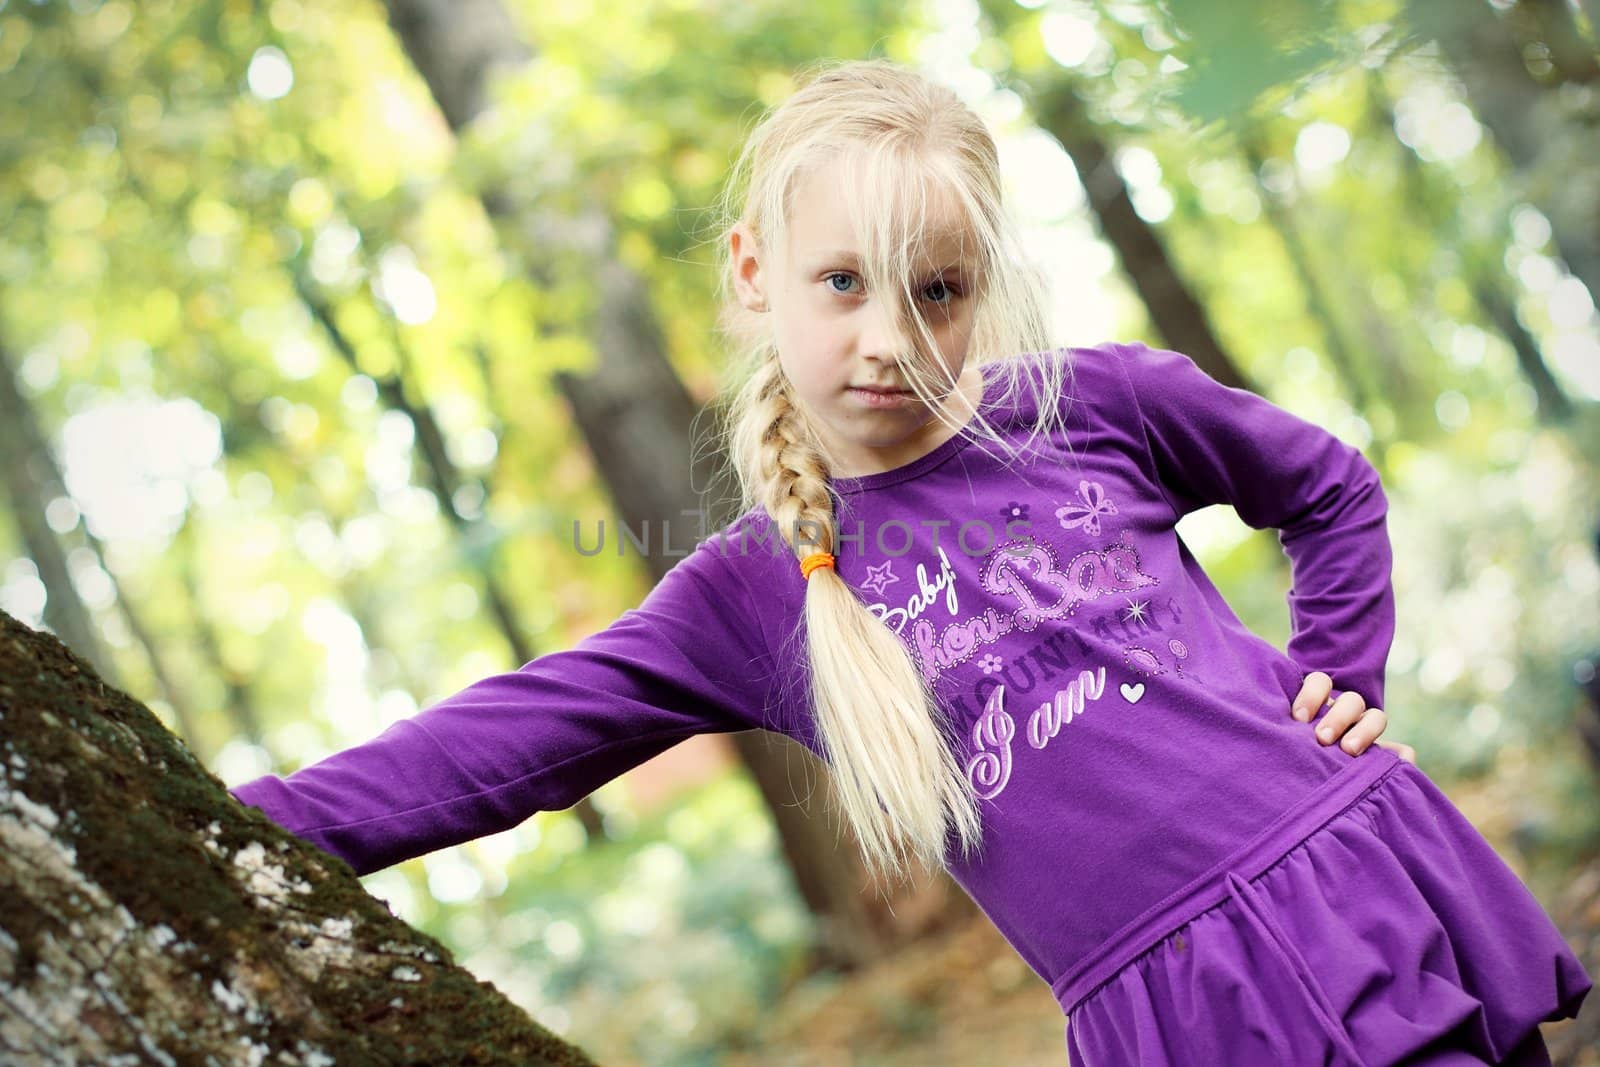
1196 878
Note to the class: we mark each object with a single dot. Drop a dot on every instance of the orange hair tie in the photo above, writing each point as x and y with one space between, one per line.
813 561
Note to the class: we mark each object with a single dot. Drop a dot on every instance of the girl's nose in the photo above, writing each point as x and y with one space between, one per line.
881 336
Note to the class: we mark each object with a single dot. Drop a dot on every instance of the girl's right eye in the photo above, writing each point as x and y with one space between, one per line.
839 274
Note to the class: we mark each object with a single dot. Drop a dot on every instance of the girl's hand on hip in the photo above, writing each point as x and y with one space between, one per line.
1349 721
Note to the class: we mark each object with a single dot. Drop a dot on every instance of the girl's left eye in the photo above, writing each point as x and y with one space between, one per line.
839 274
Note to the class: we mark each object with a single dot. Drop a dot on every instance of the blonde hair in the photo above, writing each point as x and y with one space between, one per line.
897 134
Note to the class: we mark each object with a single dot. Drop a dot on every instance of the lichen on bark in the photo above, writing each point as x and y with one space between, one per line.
148 917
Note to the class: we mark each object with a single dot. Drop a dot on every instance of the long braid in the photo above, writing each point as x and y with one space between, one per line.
898 780
793 480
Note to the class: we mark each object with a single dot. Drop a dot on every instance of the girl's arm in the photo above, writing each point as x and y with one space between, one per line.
1211 444
688 660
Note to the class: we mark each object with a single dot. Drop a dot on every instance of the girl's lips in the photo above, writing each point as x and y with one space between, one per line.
882 399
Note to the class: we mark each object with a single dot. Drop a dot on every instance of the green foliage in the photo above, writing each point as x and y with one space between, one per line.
1248 58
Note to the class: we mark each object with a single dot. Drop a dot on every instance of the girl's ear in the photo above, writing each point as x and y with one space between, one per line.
749 281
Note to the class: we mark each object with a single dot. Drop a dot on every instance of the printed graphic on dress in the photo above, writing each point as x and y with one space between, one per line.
1027 574
878 577
1092 503
1149 661
1180 652
989 768
1104 590
928 592
1143 661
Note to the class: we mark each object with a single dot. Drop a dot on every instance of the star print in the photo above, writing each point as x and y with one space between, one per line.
1136 611
878 577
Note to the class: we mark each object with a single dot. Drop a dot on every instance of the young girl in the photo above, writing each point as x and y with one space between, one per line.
957 580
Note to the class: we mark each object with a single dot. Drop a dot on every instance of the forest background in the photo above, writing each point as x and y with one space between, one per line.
321 326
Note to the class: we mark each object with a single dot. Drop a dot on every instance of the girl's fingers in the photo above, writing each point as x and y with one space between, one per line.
1313 695
1346 712
1405 752
1349 721
1365 732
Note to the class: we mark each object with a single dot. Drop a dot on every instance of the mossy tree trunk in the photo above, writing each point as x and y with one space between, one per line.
146 917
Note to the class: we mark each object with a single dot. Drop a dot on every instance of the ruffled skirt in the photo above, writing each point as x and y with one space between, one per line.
1392 933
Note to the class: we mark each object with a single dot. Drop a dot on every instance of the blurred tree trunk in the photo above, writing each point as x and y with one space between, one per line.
166 679
1550 23
636 418
1528 123
1317 300
445 481
22 447
443 476
33 477
1591 9
238 704
1174 309
1486 279
147 917
1551 400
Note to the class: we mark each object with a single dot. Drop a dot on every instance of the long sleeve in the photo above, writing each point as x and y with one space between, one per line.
690 659
1211 444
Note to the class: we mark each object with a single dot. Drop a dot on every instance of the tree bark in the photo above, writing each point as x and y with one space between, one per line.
147 917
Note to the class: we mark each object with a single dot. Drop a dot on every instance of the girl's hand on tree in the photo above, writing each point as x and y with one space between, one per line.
1349 721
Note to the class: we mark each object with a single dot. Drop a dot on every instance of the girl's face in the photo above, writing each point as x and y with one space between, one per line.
835 339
